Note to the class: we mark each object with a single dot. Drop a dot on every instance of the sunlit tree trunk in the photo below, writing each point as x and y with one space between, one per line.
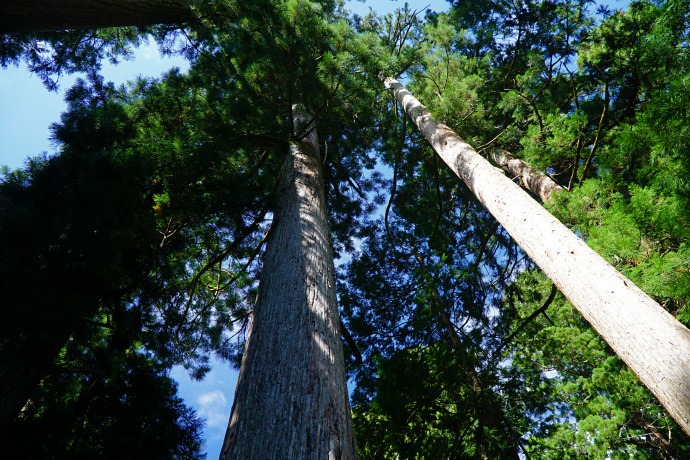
21 16
291 399
650 341
531 178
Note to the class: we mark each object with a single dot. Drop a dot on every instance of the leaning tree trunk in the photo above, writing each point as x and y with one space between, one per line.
531 178
21 16
650 341
291 399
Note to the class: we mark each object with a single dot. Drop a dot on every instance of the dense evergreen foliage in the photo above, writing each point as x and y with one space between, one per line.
138 246
588 101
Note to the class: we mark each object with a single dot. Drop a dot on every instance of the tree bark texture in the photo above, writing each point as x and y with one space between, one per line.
291 399
23 16
650 341
531 178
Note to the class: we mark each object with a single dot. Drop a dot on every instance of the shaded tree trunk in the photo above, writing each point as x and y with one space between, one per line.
487 409
27 356
291 399
22 367
22 16
650 341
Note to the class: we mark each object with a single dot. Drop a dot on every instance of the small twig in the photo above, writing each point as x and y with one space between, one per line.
483 147
541 309
351 342
598 136
482 246
578 154
398 154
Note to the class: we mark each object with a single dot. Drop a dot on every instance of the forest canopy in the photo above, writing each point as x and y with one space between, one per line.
157 236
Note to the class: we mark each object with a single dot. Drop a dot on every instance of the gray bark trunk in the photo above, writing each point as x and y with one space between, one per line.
22 16
291 399
649 340
531 178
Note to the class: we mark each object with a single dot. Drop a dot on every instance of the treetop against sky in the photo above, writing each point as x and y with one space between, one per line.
24 130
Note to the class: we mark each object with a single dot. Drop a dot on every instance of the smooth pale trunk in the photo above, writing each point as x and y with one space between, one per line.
532 179
291 399
650 341
22 16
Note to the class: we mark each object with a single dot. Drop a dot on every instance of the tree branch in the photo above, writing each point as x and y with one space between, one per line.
482 246
542 309
351 342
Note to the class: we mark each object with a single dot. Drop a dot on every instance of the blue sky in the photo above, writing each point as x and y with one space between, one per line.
27 110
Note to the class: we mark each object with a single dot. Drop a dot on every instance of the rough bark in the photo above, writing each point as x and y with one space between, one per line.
650 341
531 178
22 16
291 399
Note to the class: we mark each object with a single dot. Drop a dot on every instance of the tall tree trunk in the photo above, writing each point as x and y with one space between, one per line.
532 179
22 16
291 399
649 340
